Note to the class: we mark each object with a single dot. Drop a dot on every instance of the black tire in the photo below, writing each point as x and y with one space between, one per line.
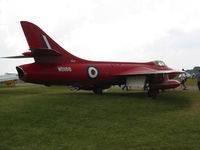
98 91
153 93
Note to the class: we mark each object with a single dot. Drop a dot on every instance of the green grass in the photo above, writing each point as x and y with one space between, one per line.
191 82
41 118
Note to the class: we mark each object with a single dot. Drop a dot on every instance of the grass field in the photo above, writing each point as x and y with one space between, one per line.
41 118
191 82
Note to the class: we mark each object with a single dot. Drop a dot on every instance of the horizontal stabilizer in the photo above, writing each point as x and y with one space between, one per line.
45 52
42 52
20 56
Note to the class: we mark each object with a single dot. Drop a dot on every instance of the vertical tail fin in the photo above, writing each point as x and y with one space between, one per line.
40 43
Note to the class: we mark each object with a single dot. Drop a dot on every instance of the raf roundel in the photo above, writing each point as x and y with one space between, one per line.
92 72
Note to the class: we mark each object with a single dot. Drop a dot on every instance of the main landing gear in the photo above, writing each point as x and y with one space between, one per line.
98 91
153 93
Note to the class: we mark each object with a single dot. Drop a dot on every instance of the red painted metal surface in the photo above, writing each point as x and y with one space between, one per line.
55 66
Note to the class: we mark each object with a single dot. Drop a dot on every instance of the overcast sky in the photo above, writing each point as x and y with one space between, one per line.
111 30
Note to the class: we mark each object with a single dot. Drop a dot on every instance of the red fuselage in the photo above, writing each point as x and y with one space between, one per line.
77 74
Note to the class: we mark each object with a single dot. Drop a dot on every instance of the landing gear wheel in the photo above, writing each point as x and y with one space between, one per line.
98 91
153 93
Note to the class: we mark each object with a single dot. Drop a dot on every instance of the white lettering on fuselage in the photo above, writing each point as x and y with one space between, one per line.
64 69
72 60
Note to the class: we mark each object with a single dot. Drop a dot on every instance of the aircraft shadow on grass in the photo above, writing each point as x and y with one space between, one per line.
169 96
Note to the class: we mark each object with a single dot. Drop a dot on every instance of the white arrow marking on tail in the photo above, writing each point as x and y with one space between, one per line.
46 41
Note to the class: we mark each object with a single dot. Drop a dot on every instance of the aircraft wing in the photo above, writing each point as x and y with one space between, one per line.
146 71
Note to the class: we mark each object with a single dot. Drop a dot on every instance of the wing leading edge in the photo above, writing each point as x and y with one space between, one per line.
145 71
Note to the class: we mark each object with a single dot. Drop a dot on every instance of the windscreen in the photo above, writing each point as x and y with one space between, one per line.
160 63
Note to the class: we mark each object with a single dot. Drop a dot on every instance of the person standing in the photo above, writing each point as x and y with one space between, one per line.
183 79
198 79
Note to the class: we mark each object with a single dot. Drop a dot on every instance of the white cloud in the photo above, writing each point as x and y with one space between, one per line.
120 30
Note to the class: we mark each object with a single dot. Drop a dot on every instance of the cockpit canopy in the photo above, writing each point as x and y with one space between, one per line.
160 63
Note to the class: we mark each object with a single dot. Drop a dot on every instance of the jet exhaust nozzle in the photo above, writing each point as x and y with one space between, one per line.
20 72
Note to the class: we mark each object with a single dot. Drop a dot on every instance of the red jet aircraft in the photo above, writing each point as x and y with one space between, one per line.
55 66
